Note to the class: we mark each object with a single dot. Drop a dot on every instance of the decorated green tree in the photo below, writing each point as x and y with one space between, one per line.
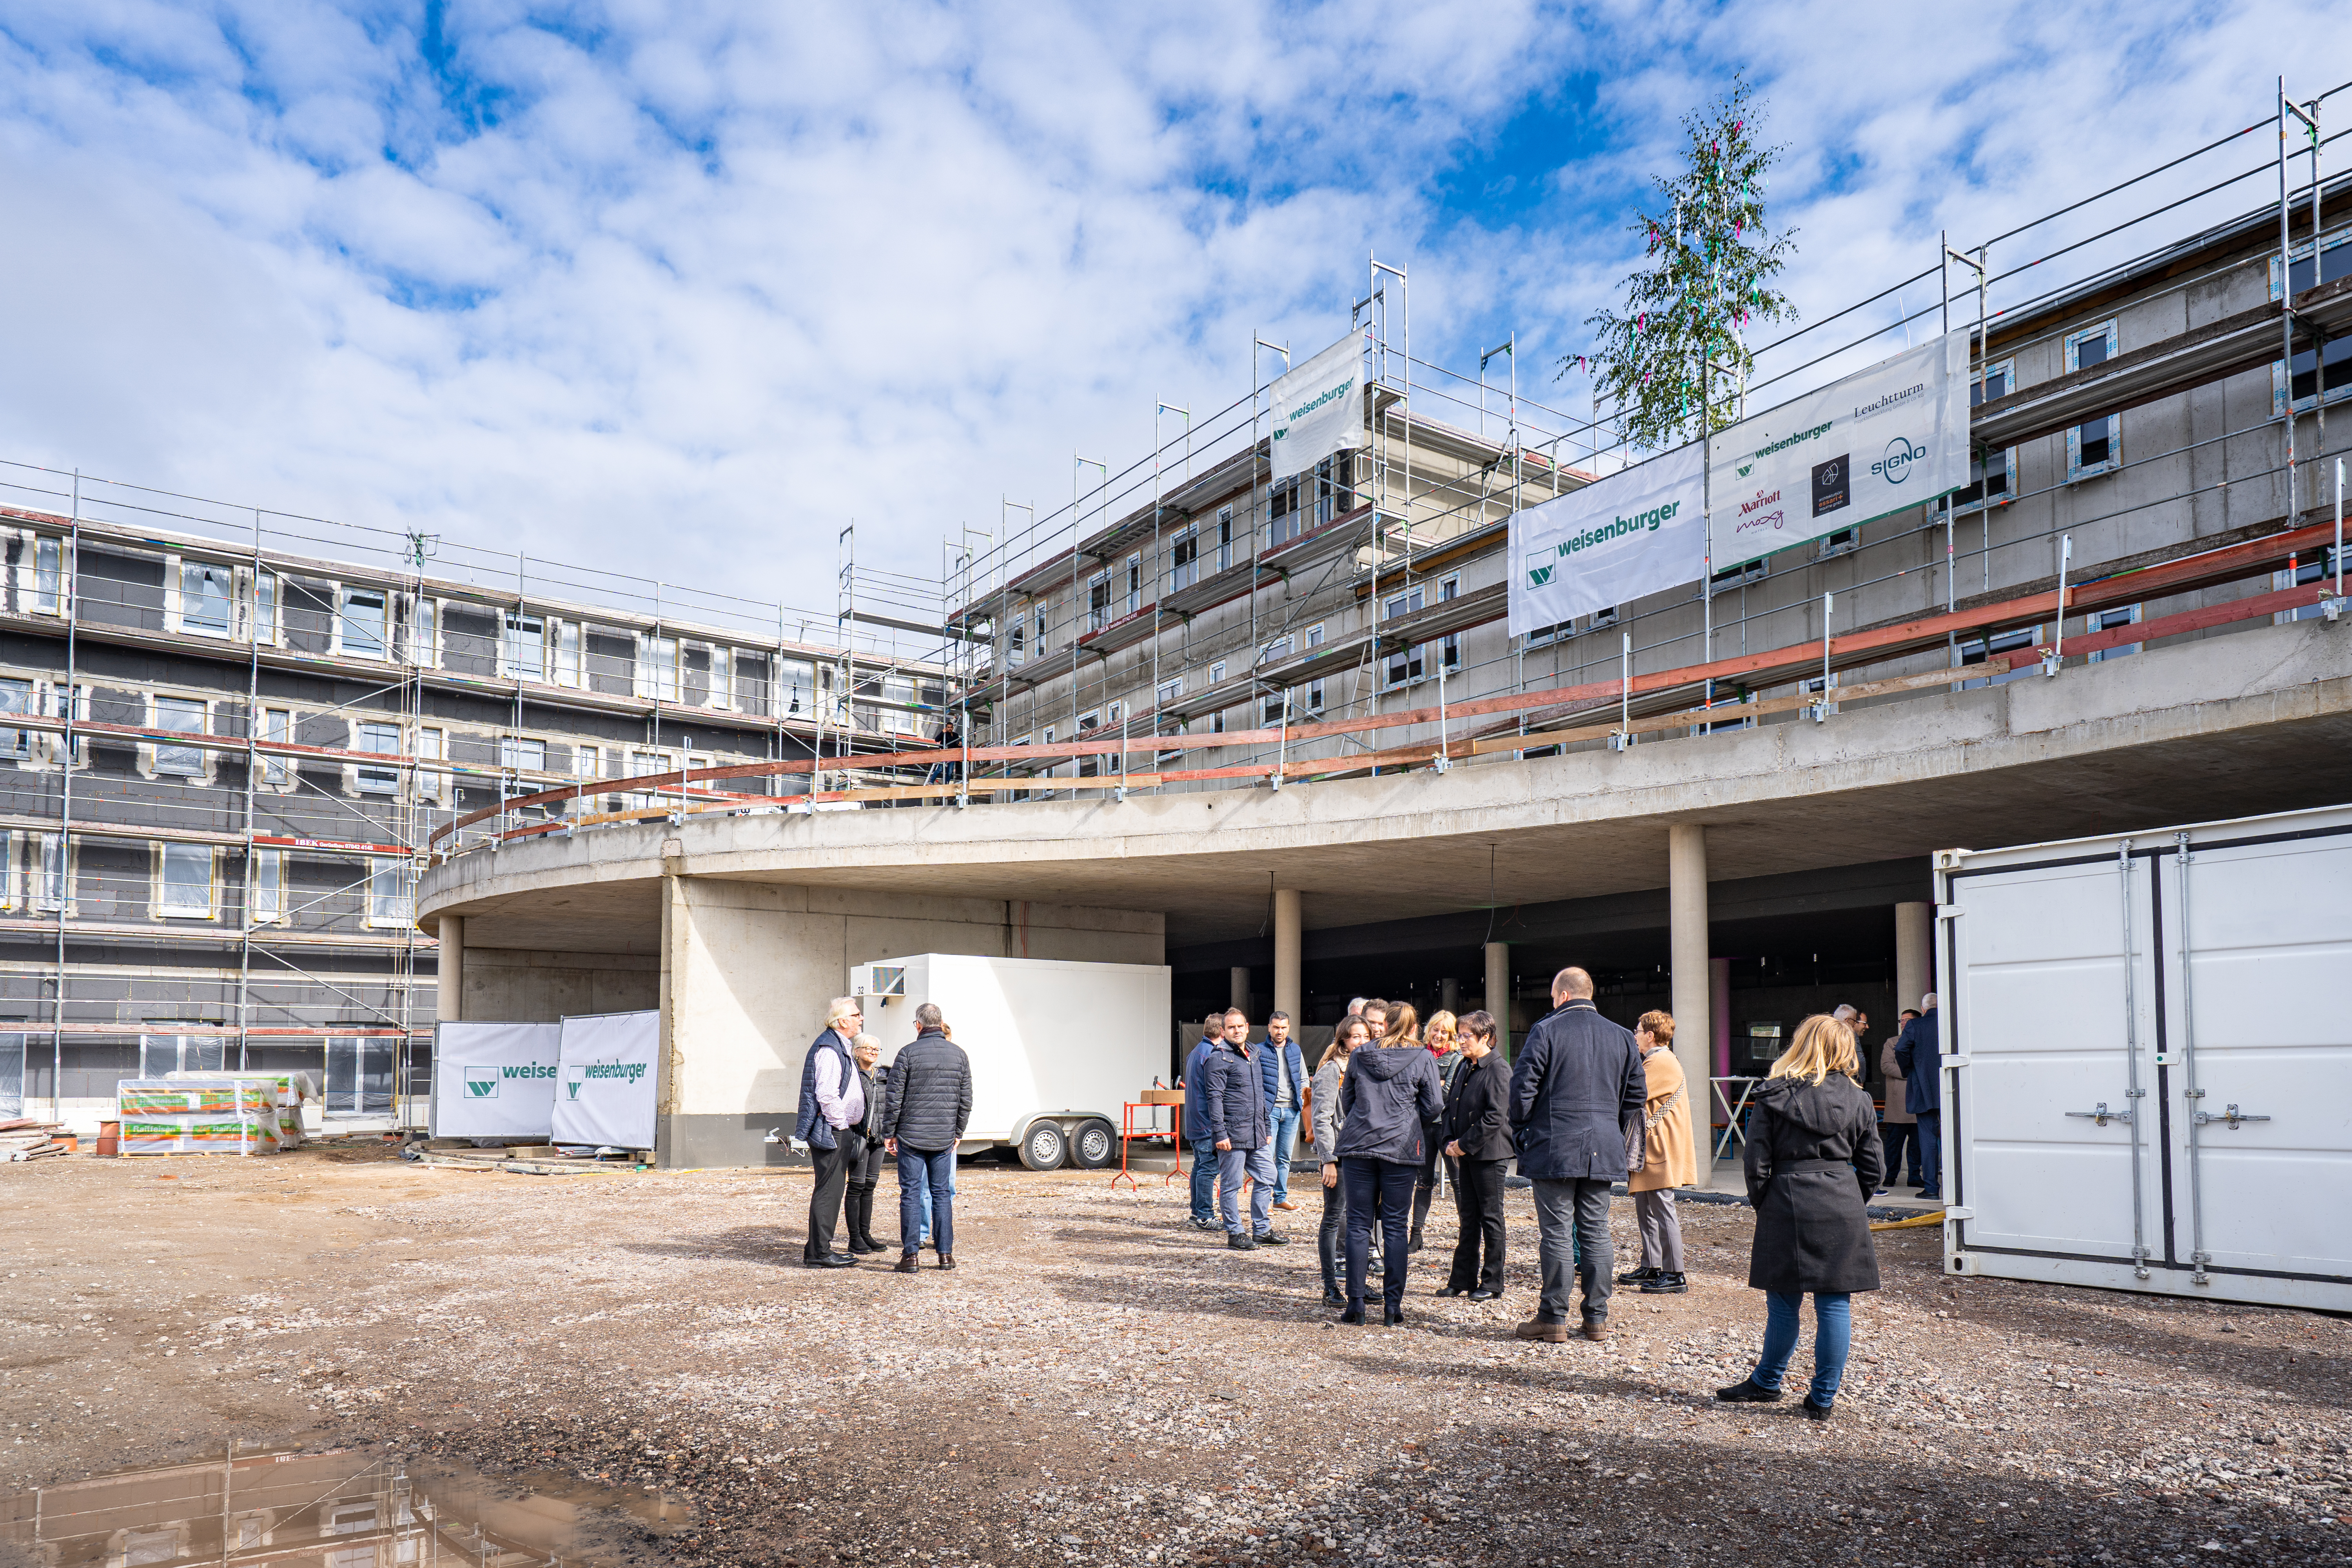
1705 282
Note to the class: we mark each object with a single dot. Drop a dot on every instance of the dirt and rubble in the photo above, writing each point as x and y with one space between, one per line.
1100 1382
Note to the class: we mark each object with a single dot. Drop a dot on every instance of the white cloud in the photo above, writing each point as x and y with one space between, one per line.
680 290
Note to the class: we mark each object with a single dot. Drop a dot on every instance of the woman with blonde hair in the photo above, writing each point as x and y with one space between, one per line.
1813 1158
1669 1160
1330 1071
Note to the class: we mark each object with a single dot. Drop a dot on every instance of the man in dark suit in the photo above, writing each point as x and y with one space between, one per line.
1577 1086
1915 1053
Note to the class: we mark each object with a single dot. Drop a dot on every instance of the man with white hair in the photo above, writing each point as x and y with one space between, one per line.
832 1100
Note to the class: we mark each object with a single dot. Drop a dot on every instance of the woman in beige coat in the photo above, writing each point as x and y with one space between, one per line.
1670 1160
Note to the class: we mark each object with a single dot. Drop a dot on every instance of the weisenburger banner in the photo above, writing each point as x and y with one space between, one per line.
604 1092
1319 408
1609 543
495 1081
1889 437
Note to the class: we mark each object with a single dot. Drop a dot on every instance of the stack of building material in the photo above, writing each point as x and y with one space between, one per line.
293 1088
22 1138
198 1115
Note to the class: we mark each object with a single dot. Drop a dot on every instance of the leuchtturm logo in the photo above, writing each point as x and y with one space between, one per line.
1831 490
1895 466
482 1083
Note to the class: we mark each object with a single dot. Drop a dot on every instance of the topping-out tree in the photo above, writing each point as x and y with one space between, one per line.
1704 281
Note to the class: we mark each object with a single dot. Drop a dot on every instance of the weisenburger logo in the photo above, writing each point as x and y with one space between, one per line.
482 1083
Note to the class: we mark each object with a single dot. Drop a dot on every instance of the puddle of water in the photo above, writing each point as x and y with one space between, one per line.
336 1510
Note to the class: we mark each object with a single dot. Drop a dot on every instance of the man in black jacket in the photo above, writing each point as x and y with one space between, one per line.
1233 1095
1917 1053
924 1113
1577 1086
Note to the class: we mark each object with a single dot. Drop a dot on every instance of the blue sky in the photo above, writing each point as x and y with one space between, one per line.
682 288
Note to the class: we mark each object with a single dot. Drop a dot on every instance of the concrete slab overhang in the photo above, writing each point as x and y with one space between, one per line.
2252 721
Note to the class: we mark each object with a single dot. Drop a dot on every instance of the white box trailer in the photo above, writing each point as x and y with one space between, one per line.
2147 1067
1057 1047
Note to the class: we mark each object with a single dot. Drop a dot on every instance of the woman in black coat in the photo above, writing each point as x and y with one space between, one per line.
1478 1137
1386 1096
1813 1158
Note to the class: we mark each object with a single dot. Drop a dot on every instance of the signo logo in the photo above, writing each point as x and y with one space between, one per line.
482 1083
1896 465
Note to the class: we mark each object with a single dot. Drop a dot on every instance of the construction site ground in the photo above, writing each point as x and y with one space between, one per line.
1098 1382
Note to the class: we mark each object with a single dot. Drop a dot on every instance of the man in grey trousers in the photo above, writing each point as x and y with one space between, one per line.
1576 1087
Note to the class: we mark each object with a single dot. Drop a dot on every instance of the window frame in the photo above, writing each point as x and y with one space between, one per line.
345 595
1960 502
195 767
208 574
404 893
2106 332
1404 666
369 778
204 856
267 897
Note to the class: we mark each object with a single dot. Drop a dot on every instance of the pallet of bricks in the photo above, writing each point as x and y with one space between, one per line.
202 1114
23 1138
293 1090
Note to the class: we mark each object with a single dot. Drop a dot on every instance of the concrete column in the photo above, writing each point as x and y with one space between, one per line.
1499 992
449 975
1914 955
1718 1002
1289 991
1449 995
1686 922
1241 989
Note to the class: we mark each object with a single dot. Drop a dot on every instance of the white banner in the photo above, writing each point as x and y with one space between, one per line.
1609 543
605 1087
1890 437
1318 409
494 1081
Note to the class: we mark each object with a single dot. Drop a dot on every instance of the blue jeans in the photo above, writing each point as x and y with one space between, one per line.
1258 1165
1832 1336
1931 1153
1378 1191
1286 1139
1204 1180
926 1191
923 1171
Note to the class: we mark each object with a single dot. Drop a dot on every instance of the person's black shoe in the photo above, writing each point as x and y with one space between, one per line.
1334 1299
1240 1242
1392 1317
1449 1290
1486 1295
1352 1315
1818 1411
831 1260
1665 1284
1412 1242
1639 1275
1746 1392
1271 1239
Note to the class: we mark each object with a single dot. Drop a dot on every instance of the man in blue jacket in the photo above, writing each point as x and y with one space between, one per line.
1196 1123
1234 1091
1578 1084
1917 1053
1284 1069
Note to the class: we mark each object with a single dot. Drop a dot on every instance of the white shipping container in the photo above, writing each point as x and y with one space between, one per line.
2147 1067
1057 1047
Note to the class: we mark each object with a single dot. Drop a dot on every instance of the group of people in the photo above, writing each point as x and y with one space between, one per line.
1587 1103
850 1117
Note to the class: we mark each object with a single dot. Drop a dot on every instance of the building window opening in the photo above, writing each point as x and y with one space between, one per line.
1185 560
2095 446
187 882
205 594
384 740
522 653
182 716
363 622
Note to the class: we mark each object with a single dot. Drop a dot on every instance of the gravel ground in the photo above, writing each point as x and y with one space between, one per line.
1100 1382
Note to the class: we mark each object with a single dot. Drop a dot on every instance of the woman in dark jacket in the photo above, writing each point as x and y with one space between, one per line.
1352 1035
1478 1136
865 1150
1814 1157
1383 1100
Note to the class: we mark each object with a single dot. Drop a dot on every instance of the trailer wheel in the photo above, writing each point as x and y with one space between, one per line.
1043 1147
1095 1146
